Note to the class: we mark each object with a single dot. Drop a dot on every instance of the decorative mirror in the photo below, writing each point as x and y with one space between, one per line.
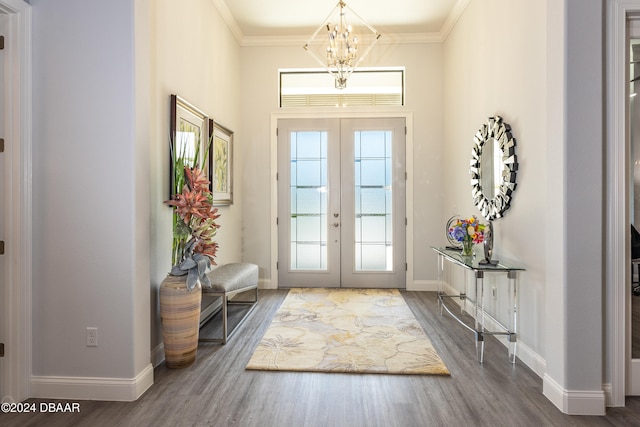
493 168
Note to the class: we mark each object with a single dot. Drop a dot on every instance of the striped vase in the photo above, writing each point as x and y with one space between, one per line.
180 317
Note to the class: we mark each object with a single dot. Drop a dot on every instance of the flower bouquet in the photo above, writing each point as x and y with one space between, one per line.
467 231
195 229
194 250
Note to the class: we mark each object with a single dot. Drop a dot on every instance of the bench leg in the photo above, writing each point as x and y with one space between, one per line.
250 304
225 322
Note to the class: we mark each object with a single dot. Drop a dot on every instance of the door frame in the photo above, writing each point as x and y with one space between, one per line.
331 114
617 186
16 308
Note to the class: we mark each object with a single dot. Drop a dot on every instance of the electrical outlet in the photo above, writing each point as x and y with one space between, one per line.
92 337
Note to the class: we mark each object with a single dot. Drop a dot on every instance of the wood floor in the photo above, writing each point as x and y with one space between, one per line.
218 391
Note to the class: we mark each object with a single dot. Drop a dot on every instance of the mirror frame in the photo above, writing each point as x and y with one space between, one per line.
494 207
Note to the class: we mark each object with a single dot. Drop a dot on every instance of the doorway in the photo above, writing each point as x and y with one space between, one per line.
341 202
624 377
633 294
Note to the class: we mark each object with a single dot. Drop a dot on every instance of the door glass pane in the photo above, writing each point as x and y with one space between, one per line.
309 200
373 201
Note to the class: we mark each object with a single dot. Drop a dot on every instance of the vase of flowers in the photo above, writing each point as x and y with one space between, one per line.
180 295
468 232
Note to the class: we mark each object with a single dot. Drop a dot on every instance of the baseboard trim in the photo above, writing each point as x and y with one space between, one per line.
424 285
157 355
607 388
574 402
266 284
89 388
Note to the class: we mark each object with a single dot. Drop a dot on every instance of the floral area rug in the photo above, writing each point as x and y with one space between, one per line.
346 330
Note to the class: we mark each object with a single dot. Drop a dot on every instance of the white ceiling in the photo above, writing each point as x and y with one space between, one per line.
268 21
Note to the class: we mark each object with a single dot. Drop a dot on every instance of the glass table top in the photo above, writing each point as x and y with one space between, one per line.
473 262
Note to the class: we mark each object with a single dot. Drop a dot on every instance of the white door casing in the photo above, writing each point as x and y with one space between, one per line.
15 315
633 365
618 279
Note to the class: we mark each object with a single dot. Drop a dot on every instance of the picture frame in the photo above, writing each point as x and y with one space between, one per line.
190 133
222 165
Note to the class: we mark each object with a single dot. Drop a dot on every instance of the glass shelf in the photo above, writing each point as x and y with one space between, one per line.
473 262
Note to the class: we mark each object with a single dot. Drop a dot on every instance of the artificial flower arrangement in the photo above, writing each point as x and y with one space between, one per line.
467 231
195 229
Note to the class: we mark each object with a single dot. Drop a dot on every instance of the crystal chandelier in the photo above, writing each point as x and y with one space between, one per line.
339 52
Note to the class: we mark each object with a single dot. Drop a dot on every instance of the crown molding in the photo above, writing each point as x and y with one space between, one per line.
260 41
410 38
228 18
396 38
251 41
453 18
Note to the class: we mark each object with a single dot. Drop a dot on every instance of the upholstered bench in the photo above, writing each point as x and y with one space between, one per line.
227 281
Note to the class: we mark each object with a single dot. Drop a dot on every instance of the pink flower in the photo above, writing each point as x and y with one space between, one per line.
197 180
194 206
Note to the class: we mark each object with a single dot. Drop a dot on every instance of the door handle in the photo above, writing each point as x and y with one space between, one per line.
336 214
336 224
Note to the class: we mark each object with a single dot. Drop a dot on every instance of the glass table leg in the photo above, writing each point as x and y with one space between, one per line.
479 318
463 294
513 314
440 279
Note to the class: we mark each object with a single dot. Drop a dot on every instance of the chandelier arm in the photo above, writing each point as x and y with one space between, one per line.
373 30
324 23
320 61
347 73
366 52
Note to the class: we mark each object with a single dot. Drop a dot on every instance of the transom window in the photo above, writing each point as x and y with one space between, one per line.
366 86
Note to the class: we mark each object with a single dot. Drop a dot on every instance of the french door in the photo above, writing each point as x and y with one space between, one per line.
341 203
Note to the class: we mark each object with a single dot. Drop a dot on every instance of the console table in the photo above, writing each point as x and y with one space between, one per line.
472 264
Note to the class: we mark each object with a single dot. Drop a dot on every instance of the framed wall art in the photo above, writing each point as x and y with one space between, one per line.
222 166
190 131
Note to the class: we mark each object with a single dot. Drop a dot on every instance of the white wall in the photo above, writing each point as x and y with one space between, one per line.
574 379
539 67
103 74
90 250
193 55
424 93
500 70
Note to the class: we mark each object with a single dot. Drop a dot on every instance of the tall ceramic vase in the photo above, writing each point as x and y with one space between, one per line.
180 317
